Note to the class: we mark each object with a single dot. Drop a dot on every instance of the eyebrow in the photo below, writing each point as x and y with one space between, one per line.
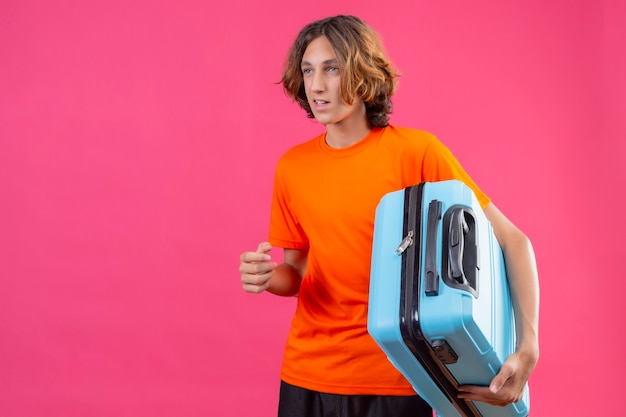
327 62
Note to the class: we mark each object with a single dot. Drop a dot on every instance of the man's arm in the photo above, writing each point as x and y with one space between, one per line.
288 275
508 385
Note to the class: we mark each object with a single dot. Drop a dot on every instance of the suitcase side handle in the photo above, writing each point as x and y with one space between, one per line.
460 250
431 277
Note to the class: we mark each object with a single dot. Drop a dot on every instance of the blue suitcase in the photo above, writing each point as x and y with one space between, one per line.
439 300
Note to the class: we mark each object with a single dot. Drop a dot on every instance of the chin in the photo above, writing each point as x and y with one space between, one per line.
324 120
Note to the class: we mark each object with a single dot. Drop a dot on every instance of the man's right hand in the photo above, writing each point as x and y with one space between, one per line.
256 269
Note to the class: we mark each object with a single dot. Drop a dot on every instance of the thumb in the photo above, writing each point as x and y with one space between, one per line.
500 379
264 247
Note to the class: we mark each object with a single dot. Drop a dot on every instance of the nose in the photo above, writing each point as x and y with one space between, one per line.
317 81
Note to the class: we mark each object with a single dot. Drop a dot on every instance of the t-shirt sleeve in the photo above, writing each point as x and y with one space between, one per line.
440 165
285 230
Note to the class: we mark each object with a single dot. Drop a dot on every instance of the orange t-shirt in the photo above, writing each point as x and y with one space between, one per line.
325 199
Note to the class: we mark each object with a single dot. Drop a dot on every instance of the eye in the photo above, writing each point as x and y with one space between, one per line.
332 69
306 71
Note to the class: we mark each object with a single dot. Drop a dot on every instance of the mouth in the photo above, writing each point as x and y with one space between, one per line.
320 104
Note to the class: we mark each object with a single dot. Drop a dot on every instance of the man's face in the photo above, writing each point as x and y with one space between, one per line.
322 84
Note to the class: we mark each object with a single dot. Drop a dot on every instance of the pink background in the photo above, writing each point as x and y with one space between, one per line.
137 148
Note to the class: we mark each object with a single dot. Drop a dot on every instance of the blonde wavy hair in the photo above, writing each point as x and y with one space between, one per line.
364 68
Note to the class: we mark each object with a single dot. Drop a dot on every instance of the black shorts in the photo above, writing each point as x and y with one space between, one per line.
301 402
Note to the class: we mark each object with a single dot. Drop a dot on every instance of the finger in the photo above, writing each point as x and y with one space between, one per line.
509 394
473 390
249 257
256 283
256 279
255 268
256 289
482 394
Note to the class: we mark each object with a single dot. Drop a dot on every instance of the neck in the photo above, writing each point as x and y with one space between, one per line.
342 135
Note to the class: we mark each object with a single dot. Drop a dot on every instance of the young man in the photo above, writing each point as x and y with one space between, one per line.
325 194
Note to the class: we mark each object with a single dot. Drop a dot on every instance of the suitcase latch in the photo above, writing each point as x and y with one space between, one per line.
406 242
444 351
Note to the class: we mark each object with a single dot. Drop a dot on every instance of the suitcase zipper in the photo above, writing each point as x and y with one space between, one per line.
406 242
412 203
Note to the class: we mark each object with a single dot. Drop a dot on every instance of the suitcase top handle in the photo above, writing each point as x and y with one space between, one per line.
460 249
